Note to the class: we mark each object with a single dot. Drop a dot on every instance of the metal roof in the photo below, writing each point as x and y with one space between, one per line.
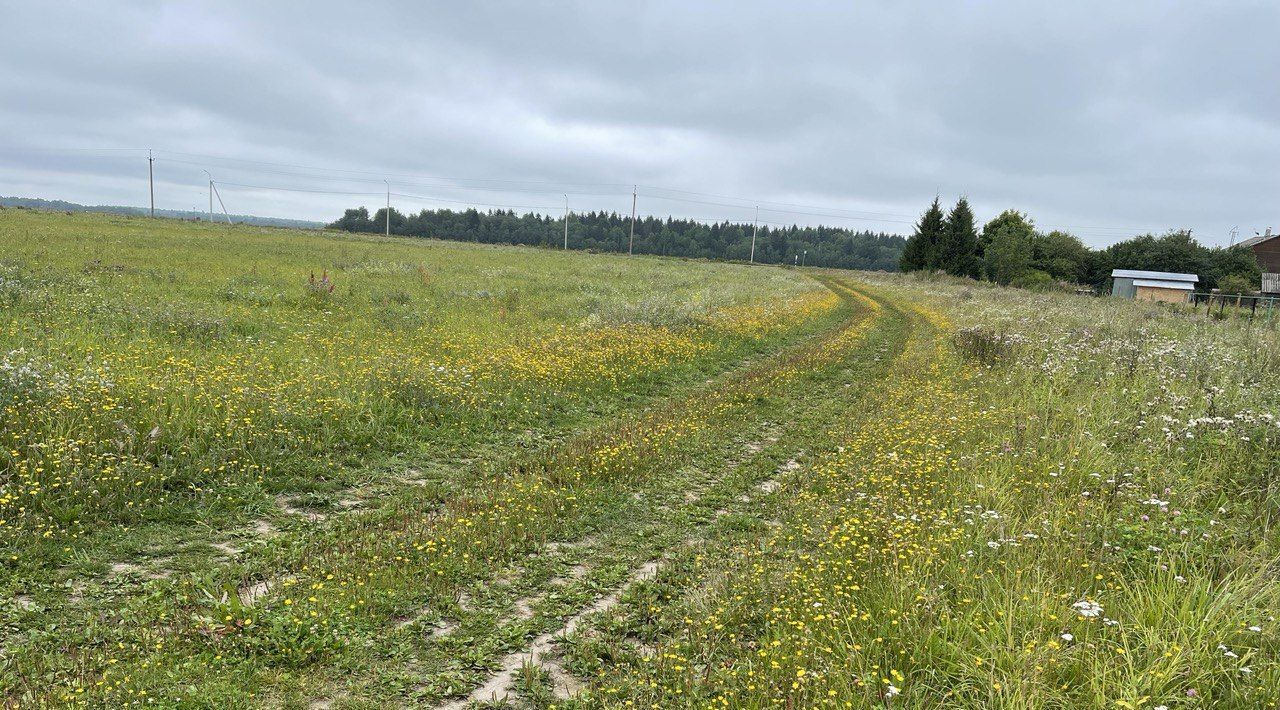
1155 275
1158 283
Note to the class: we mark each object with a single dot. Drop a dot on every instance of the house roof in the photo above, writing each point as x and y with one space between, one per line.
1256 240
1157 283
1153 275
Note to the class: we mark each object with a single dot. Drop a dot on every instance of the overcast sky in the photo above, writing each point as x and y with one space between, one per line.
1108 118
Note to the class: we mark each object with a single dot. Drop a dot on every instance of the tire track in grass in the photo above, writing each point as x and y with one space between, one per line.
368 550
539 652
203 547
264 573
757 492
760 373
677 499
644 503
542 654
501 684
706 568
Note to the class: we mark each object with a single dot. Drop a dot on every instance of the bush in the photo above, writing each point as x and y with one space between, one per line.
1035 280
1237 284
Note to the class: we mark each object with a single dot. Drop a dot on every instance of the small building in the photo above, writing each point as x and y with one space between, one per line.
1266 249
1153 285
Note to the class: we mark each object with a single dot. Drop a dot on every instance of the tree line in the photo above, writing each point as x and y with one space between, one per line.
1010 250
609 232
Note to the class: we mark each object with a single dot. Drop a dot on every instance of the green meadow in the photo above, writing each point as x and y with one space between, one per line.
261 467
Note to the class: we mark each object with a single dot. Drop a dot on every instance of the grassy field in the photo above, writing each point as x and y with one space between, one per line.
255 467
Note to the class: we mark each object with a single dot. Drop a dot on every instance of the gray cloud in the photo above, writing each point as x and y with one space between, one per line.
1108 118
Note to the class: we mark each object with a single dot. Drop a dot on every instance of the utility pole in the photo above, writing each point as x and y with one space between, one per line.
388 207
566 223
206 172
631 243
755 229
151 180
221 203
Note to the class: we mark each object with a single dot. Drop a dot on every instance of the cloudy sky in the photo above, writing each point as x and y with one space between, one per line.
1106 118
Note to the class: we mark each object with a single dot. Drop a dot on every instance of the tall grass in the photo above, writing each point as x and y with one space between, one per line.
1057 501
158 370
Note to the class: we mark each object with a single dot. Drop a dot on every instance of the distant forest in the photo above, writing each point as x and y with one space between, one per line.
608 232
36 203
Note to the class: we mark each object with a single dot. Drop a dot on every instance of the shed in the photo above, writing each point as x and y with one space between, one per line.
1153 285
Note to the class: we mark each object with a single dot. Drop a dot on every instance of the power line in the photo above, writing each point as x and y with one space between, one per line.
777 211
1129 230
426 198
299 189
525 186
547 208
825 214
401 182
864 216
74 149
381 175
754 202
541 208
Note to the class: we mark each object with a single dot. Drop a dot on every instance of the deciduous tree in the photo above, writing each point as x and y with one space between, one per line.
1008 240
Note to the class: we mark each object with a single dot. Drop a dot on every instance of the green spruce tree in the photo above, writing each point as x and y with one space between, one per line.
921 251
958 247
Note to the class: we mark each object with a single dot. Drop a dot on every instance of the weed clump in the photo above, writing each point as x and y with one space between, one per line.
985 345
657 312
320 291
